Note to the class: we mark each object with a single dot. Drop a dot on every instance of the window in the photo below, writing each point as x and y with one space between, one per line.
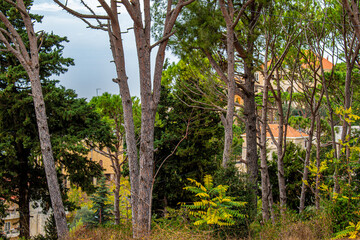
7 226
257 77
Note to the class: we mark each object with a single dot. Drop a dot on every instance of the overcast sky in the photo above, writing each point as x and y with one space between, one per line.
91 51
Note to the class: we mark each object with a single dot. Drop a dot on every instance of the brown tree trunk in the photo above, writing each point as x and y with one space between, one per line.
228 15
306 164
116 197
131 151
353 12
141 173
265 180
280 153
28 56
48 159
251 131
318 162
24 198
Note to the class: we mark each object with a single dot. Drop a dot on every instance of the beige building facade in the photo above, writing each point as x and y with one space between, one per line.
11 222
292 135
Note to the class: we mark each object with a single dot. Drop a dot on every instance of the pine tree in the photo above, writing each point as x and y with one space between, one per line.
102 206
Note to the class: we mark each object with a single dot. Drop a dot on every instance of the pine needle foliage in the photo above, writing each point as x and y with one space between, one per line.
213 206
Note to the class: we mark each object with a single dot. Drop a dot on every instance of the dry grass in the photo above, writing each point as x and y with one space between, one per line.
290 228
106 233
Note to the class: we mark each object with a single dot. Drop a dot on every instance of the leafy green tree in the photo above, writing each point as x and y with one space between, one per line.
18 37
73 123
293 164
110 108
199 153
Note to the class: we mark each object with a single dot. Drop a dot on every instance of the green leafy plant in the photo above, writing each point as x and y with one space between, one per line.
353 231
213 207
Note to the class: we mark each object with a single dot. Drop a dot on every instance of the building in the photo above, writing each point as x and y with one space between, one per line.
11 222
292 135
285 85
104 162
37 217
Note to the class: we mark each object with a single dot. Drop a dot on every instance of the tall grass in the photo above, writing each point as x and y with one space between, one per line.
293 226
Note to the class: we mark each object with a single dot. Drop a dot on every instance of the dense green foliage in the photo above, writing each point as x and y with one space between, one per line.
101 207
198 154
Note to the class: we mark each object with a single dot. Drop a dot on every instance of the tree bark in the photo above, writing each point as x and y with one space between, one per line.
131 151
250 130
265 180
228 120
28 56
48 159
353 12
306 164
24 198
318 163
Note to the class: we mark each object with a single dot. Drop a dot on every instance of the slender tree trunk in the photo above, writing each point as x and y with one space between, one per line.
265 181
116 198
48 159
318 162
228 120
333 143
347 104
251 132
306 164
131 151
28 56
24 198
280 160
353 12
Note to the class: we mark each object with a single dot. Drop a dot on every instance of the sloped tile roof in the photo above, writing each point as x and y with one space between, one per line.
291 132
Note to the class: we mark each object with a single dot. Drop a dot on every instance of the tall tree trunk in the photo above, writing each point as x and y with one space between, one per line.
318 162
228 120
251 131
28 56
306 164
280 153
131 151
117 195
48 159
24 198
265 180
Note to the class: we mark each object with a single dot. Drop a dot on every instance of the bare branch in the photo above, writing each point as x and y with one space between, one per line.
162 40
80 15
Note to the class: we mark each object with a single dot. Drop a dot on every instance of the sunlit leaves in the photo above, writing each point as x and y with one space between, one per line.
214 207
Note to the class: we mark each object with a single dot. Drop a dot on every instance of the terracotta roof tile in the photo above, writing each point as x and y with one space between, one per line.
291 132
